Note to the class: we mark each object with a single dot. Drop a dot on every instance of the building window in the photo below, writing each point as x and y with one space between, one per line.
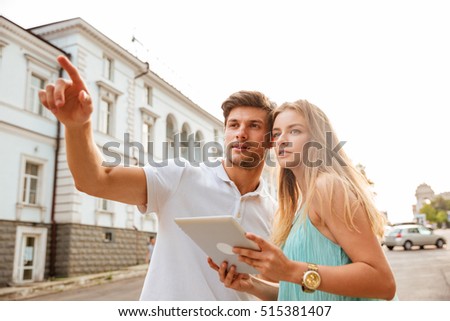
34 104
104 205
108 96
215 150
184 142
199 141
148 122
31 182
147 137
105 117
104 212
108 237
38 75
148 95
108 68
170 134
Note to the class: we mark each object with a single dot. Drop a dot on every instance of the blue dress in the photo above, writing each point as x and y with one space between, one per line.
306 244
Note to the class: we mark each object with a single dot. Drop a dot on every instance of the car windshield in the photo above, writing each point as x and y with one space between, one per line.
425 231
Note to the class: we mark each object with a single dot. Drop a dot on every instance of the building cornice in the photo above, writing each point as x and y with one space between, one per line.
27 133
12 32
80 26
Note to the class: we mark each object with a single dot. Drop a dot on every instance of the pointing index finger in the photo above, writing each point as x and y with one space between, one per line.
71 70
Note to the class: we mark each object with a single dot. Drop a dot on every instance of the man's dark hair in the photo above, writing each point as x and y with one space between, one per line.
245 98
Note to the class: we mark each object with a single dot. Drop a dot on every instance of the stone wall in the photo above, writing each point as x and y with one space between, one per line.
7 239
80 249
83 249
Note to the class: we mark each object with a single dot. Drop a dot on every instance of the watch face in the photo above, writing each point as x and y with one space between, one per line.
311 280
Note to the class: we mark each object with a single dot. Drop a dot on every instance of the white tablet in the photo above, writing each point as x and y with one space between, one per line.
216 236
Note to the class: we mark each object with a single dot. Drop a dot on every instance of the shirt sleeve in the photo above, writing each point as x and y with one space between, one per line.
162 182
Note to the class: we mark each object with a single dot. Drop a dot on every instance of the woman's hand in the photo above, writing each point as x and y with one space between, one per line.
230 278
270 261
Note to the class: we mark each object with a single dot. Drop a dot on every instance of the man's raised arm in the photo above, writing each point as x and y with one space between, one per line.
70 102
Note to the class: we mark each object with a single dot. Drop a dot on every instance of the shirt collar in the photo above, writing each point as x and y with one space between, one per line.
261 190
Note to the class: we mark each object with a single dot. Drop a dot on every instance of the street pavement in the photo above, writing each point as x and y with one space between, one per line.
79 284
422 275
123 290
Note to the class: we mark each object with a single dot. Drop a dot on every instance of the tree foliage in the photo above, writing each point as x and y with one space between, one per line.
441 217
436 211
441 204
429 211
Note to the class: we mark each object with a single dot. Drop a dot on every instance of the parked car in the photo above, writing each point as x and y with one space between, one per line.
387 228
409 235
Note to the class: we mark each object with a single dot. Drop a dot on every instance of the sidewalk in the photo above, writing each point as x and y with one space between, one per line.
40 288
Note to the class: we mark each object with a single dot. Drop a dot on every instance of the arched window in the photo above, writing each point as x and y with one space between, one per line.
170 133
199 142
184 139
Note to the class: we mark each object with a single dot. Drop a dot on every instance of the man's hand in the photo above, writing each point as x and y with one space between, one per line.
232 280
68 99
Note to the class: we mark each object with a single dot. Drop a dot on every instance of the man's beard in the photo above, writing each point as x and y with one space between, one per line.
250 161
246 162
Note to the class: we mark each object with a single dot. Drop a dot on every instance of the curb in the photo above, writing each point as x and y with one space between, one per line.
32 290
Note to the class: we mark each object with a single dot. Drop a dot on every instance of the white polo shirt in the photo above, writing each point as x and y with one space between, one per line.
179 269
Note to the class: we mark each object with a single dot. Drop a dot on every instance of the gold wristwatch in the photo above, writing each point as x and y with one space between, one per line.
311 278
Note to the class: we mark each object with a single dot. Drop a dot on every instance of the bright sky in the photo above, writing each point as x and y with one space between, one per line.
379 69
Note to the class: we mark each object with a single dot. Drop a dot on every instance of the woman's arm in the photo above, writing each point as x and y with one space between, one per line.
368 276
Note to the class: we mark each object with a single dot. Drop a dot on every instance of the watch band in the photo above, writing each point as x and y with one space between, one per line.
312 269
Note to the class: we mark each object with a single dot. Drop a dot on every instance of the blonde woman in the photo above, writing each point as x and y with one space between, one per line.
327 229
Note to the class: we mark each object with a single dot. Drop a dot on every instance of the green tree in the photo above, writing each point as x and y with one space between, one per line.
429 211
441 218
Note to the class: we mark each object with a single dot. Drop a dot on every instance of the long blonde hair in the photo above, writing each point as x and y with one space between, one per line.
349 178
